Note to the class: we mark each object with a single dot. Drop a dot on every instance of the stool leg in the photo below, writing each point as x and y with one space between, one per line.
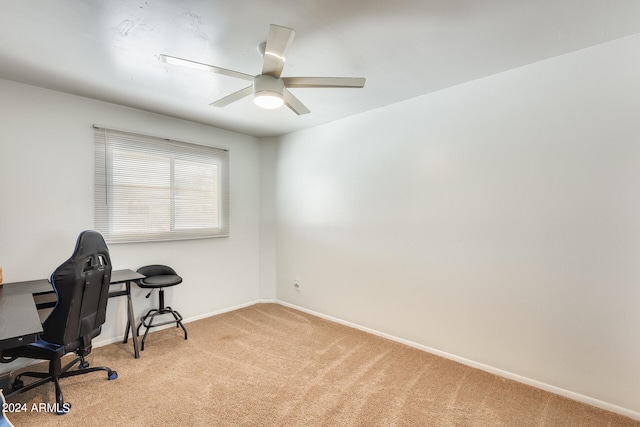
147 319
147 326
143 322
178 318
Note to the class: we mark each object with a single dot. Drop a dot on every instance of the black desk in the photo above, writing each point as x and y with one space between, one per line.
19 320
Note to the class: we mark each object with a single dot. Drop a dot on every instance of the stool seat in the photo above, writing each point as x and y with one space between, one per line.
161 281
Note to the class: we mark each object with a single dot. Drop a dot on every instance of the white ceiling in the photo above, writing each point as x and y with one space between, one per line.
108 49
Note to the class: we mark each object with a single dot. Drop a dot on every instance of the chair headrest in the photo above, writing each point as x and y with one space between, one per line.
89 242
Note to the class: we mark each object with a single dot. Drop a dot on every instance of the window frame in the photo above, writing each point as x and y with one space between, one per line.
108 140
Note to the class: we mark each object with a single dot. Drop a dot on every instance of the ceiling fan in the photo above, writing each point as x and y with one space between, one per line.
269 88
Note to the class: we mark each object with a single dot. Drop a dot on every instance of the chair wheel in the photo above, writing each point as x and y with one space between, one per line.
112 375
63 409
83 365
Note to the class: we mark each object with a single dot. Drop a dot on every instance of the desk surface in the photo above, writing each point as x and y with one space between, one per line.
43 286
17 325
19 320
122 276
32 287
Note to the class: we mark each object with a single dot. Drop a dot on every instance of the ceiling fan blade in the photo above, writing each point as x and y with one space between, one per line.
233 97
356 82
275 52
294 103
206 67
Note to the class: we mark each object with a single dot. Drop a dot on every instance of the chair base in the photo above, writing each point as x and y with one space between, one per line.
147 321
54 375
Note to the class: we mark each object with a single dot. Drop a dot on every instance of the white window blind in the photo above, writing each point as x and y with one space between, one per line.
151 189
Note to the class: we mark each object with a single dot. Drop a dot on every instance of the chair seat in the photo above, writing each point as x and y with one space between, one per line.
161 281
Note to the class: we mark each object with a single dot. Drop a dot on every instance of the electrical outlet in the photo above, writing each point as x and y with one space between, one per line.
296 284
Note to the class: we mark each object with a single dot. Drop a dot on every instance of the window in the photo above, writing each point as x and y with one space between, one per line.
150 189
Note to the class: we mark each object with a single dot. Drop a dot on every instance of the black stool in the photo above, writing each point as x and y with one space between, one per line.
160 277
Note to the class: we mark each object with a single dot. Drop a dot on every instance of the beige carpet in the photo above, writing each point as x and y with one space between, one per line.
269 365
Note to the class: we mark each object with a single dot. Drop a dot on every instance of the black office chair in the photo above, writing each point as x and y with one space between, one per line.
81 285
159 277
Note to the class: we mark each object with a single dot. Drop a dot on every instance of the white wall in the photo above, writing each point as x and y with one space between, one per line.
46 199
497 221
268 156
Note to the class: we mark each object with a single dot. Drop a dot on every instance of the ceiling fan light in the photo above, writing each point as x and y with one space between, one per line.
268 99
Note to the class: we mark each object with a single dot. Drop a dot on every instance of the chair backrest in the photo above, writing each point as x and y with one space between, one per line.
82 287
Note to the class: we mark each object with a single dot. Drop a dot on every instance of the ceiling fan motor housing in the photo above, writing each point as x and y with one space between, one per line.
266 83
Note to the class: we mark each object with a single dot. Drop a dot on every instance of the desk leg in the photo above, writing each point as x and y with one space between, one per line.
131 323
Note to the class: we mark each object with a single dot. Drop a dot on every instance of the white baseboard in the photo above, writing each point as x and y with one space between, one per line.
119 338
226 310
505 374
